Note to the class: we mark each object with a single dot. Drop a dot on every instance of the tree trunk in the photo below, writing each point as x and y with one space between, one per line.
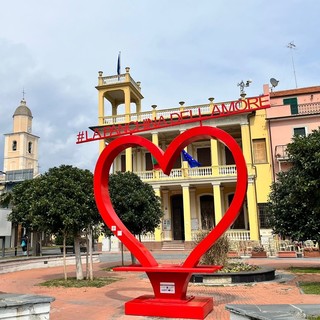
64 257
87 256
36 243
79 271
89 248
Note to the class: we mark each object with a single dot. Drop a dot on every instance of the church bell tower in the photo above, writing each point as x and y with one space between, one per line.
21 146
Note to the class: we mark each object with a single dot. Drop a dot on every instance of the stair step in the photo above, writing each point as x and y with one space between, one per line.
173 246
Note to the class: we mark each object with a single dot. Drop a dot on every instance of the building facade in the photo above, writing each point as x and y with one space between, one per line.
292 112
193 199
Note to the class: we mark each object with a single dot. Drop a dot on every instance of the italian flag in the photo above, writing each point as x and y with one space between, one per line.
155 163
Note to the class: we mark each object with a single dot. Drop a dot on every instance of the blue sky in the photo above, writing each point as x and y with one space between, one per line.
179 50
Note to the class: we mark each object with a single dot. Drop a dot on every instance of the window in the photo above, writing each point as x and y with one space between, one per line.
293 102
149 164
123 163
204 156
263 215
30 147
259 151
240 221
299 131
14 145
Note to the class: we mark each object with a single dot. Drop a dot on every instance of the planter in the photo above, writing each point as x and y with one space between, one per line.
261 254
233 254
311 254
287 254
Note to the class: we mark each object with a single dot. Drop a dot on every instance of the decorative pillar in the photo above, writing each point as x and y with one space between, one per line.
158 231
186 211
217 202
252 210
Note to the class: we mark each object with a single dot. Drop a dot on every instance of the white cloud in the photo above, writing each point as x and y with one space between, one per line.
179 50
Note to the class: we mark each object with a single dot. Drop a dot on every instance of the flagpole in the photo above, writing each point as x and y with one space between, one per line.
119 65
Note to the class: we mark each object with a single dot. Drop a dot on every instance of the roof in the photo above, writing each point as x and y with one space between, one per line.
23 110
294 92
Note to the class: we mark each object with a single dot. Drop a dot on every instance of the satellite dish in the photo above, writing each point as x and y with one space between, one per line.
274 82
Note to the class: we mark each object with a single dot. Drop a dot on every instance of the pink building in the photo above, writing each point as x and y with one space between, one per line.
292 112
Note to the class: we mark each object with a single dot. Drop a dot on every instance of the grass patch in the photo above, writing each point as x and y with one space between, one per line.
305 269
313 318
310 287
74 283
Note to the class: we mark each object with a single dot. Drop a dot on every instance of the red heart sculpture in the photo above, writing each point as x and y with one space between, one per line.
166 160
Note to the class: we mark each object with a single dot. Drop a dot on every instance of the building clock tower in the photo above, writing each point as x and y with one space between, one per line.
21 146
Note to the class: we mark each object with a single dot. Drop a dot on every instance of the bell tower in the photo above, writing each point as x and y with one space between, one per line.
21 146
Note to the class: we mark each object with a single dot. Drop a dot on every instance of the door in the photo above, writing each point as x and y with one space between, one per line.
207 212
177 217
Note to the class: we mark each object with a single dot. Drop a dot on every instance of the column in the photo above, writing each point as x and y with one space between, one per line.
100 117
129 159
186 211
127 101
217 202
155 141
167 232
158 231
246 142
214 157
252 211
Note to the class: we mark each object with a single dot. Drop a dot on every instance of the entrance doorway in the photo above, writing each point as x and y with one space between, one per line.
207 212
177 217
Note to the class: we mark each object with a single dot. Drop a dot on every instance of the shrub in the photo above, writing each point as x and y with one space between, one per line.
258 249
217 254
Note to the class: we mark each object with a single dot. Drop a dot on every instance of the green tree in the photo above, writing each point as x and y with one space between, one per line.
135 203
59 202
294 201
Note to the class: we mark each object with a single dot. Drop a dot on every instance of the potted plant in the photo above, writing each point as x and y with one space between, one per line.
258 252
311 252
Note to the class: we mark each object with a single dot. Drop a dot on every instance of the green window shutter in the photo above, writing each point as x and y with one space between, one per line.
293 102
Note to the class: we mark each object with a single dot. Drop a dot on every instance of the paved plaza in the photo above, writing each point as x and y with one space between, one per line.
107 303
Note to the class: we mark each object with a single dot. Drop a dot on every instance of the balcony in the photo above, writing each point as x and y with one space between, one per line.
309 108
284 111
190 173
281 153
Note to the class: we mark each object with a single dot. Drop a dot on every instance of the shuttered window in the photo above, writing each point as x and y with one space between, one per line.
259 151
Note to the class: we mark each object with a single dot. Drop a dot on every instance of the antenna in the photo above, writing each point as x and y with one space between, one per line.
274 82
242 85
292 46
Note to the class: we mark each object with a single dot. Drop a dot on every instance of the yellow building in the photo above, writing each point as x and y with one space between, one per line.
193 199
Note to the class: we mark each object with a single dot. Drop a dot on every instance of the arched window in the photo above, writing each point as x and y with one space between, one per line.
14 145
30 147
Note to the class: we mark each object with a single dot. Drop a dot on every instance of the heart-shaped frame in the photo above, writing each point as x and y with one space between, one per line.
166 160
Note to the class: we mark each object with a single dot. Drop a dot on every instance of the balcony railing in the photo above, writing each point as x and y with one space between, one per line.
189 173
281 153
309 108
233 235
